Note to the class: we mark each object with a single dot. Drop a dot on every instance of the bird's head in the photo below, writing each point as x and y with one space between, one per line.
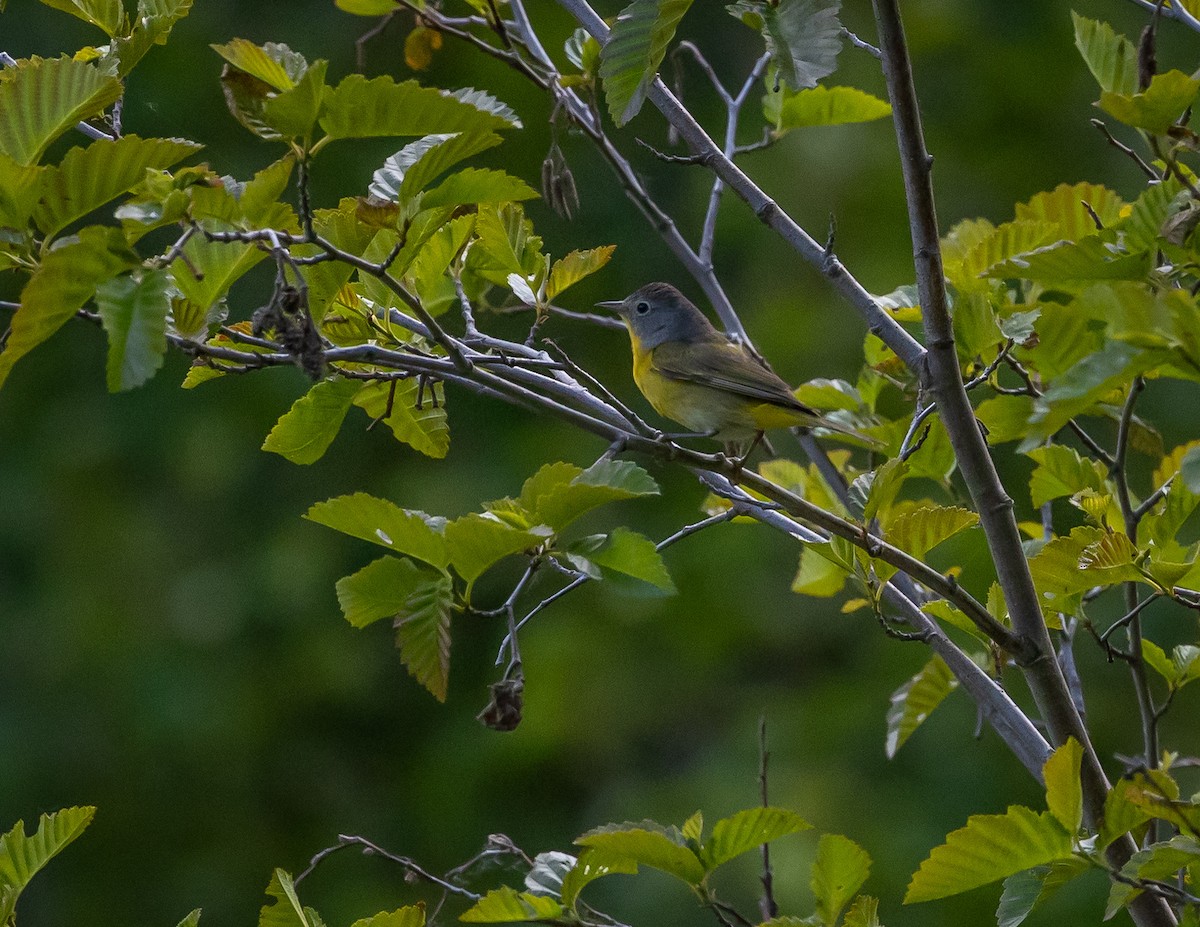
658 313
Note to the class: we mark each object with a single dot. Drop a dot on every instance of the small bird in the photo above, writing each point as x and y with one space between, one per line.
694 375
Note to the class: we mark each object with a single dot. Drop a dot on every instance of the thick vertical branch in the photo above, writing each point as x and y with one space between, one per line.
945 382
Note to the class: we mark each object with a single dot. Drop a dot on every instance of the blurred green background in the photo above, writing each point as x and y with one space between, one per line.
172 647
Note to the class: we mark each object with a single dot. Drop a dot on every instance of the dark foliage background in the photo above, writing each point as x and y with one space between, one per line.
172 649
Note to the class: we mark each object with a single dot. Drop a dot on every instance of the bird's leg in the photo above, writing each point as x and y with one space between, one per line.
740 462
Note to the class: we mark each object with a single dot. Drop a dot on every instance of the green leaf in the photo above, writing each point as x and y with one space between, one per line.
273 63
1055 568
151 26
108 15
915 701
506 905
635 48
803 37
1158 107
412 915
820 572
134 311
192 920
20 188
863 913
367 7
1111 58
208 269
411 168
474 185
506 244
1005 417
87 178
990 847
559 493
821 106
840 869
22 855
593 863
1064 207
919 530
1064 794
381 589
476 542
1083 386
43 98
423 429
63 282
648 844
293 112
1121 814
285 910
574 267
1023 891
1060 471
693 828
1159 862
627 553
384 523
423 634
361 108
1189 469
486 103
305 431
744 831
1074 262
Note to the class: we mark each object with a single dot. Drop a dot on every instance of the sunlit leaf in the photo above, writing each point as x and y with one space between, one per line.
635 48
412 915
915 701
1158 107
395 404
379 590
384 523
1160 862
23 855
746 830
1064 207
474 185
108 15
594 863
864 912
285 910
87 178
43 98
821 106
293 112
1064 794
627 553
361 108
819 575
917 531
1111 58
1060 471
272 63
559 493
1005 417
367 7
506 905
840 869
412 167
305 431
989 848
475 542
648 844
574 267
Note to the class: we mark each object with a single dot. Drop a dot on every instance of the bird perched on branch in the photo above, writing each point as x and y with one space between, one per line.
692 374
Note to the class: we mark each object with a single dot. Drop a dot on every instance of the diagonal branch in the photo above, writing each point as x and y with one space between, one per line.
879 322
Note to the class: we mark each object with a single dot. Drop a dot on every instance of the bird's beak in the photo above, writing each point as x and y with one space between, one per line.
614 305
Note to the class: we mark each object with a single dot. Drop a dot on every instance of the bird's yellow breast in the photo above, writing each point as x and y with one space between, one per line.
702 408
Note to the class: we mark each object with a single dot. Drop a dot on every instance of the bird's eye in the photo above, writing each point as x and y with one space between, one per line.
642 308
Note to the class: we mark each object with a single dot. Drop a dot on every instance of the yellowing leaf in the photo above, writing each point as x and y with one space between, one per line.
574 267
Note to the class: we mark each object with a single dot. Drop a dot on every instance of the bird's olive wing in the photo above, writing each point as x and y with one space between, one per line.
724 366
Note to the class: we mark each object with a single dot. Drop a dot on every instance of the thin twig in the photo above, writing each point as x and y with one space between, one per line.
766 905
